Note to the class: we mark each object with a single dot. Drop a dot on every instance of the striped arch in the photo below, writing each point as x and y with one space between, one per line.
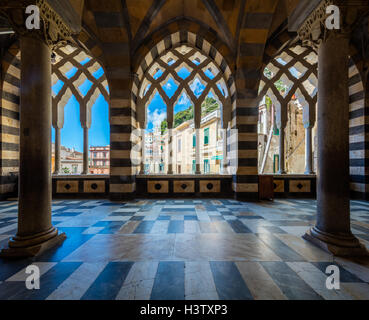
90 44
183 31
277 43
9 109
170 42
358 129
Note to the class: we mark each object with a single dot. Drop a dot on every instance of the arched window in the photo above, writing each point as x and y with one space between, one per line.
182 99
80 110
288 98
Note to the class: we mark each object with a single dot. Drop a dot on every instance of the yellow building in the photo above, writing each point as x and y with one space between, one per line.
184 145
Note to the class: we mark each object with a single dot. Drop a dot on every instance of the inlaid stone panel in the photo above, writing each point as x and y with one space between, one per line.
300 186
207 186
278 185
92 186
67 187
187 186
158 186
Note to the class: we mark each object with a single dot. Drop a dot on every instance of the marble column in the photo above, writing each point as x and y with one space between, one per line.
281 122
35 232
170 149
225 154
57 151
142 170
333 231
85 151
308 151
281 151
197 152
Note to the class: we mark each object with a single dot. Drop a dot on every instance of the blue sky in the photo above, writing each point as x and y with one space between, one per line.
72 132
156 110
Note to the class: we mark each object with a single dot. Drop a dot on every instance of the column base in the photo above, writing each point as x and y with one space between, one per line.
25 247
198 172
338 245
309 172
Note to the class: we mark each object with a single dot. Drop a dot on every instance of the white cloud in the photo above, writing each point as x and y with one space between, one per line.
197 87
184 100
156 117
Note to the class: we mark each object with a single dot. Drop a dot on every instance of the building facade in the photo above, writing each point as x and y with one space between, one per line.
184 147
71 161
99 160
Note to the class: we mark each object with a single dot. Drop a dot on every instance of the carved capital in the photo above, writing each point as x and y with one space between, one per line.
53 30
314 31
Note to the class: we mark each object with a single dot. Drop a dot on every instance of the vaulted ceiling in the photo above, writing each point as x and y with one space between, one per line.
141 18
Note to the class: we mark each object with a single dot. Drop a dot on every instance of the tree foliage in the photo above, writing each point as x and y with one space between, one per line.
208 106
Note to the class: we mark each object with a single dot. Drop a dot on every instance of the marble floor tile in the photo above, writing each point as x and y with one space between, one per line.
199 282
125 247
260 284
224 247
139 282
185 249
78 283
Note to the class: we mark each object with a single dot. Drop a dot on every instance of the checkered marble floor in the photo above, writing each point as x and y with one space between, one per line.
184 249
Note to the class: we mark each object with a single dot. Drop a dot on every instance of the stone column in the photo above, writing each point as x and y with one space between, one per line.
197 122
281 122
332 231
143 144
308 151
225 155
170 149
308 120
197 152
35 231
85 150
57 151
281 152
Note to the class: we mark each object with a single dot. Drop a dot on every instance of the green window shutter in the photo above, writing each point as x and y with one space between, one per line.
206 136
194 141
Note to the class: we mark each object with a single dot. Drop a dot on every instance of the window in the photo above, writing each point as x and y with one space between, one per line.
79 85
206 136
288 91
178 81
193 166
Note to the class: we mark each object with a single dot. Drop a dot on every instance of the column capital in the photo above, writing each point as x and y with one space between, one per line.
314 31
53 31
